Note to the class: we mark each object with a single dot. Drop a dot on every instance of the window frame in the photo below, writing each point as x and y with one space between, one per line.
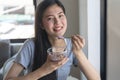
103 32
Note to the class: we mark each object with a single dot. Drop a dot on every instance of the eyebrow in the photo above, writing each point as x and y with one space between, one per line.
52 15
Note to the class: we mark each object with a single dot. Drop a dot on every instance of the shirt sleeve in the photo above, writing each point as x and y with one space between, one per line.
24 55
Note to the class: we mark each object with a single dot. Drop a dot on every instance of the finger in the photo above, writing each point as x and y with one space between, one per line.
65 60
62 62
77 42
49 57
81 38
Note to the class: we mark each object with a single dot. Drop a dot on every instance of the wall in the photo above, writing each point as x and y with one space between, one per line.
94 33
83 30
72 14
113 39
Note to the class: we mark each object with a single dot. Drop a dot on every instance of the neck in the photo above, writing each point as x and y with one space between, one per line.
57 41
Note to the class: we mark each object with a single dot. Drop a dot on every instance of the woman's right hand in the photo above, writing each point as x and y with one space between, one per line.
49 66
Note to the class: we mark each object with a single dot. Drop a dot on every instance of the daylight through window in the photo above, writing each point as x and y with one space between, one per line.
16 19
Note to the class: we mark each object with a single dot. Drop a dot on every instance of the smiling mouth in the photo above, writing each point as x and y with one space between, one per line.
58 29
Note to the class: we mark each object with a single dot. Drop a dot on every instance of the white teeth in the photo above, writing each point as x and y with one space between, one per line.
57 28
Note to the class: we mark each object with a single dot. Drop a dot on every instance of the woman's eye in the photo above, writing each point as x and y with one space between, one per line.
49 19
60 16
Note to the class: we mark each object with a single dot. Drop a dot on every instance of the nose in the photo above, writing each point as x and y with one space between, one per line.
57 21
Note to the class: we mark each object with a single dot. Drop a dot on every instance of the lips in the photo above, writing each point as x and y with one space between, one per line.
58 29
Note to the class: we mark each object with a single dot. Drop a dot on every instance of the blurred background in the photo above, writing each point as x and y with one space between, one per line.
98 21
16 19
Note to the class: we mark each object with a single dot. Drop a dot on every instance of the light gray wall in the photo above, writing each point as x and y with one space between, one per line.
83 27
113 39
72 14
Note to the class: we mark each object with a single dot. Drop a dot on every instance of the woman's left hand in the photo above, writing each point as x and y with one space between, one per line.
49 66
77 43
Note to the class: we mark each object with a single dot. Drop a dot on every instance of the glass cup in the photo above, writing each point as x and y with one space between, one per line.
57 53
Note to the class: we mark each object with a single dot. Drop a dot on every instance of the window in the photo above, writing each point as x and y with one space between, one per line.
16 19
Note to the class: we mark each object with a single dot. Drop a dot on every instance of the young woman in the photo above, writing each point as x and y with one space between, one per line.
50 27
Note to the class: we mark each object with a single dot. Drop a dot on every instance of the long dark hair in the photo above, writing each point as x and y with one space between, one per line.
41 39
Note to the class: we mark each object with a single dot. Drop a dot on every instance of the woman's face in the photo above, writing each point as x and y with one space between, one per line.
54 21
